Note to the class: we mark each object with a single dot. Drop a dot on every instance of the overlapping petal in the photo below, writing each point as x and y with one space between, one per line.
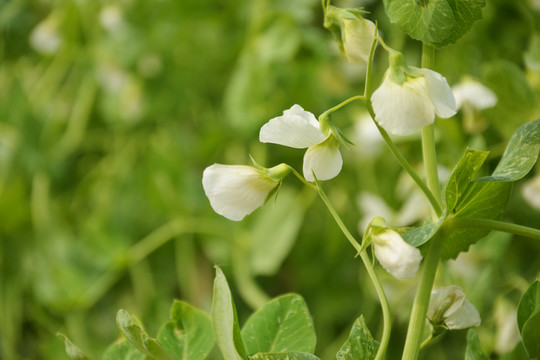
358 36
395 255
235 191
448 307
440 94
296 128
323 159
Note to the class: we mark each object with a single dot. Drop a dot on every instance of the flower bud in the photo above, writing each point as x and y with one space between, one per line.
354 34
395 255
448 308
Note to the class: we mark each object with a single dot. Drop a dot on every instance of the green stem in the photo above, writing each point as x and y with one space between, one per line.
421 300
431 261
493 225
339 106
387 321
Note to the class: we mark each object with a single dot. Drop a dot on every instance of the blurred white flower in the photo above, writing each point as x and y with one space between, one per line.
449 308
508 335
235 191
300 129
111 18
366 136
395 255
45 38
472 93
531 192
354 34
409 98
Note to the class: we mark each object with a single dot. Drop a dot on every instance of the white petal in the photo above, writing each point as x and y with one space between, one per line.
295 128
324 160
235 191
474 93
466 317
440 94
396 256
403 109
458 312
531 192
358 36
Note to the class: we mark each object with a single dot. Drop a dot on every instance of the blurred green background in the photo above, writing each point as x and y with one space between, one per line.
111 110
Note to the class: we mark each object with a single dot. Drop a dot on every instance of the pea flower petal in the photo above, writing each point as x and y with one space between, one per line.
395 255
323 159
235 191
296 128
401 109
449 308
474 94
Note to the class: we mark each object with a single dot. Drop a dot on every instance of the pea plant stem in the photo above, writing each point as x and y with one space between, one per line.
387 321
431 261
496 225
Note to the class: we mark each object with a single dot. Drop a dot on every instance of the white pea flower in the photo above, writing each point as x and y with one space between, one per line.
300 129
449 308
354 34
235 191
472 93
531 192
395 255
409 98
45 38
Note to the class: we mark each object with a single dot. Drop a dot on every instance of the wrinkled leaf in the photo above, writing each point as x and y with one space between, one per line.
139 338
360 345
474 351
481 200
435 22
529 304
520 154
189 334
461 176
72 350
282 325
284 356
225 320
123 350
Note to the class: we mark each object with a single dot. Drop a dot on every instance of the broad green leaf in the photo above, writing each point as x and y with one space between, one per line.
122 349
474 351
422 234
517 101
520 154
461 176
481 200
275 231
281 325
284 356
139 338
529 304
225 320
360 345
434 22
531 335
189 334
72 350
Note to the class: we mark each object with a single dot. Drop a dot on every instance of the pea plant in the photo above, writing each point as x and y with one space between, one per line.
464 209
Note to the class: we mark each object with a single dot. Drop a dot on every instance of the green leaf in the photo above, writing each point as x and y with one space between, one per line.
461 176
284 356
189 334
529 304
531 335
123 350
481 200
360 345
225 320
422 234
517 100
520 154
139 338
72 350
434 22
281 325
474 351
275 232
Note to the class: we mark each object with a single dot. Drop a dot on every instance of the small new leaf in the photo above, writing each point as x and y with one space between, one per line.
72 350
360 345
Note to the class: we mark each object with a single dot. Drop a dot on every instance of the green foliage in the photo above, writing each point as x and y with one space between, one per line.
284 356
360 345
281 325
529 319
474 351
123 349
435 22
72 350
